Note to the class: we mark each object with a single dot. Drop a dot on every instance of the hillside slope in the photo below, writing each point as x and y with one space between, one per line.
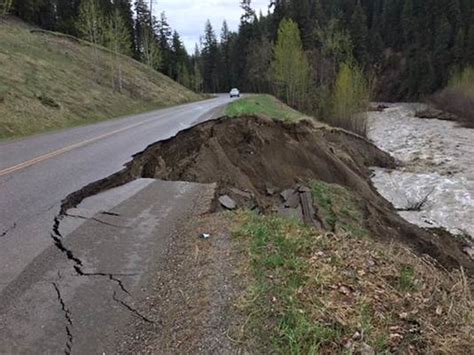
50 81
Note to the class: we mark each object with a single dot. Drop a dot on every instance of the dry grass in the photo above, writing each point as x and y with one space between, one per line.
51 81
313 292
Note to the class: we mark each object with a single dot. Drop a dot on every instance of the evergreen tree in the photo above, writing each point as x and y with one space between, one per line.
408 22
359 34
210 58
226 77
469 52
441 52
164 34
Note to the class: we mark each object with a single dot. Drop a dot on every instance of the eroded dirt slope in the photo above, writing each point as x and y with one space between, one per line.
255 159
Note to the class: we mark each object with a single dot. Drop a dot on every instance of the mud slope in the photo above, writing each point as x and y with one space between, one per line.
257 156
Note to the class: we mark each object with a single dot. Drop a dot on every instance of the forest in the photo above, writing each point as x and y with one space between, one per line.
307 52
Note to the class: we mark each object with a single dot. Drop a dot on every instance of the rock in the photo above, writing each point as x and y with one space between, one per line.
291 198
365 349
378 108
270 190
227 202
433 113
244 194
469 251
295 213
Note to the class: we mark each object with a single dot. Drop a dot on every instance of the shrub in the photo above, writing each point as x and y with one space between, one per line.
458 97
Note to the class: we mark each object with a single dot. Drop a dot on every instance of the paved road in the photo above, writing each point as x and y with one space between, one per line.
37 173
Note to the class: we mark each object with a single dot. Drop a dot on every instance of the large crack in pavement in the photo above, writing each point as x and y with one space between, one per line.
67 315
131 309
71 201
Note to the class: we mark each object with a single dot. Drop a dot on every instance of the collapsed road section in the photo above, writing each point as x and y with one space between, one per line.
100 271
253 159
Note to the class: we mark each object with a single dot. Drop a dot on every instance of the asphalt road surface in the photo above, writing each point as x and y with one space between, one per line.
36 173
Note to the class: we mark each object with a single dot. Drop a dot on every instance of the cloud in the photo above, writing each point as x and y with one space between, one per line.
189 16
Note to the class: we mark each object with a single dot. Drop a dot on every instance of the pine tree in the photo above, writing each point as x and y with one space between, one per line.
359 34
408 22
469 53
210 58
458 49
226 77
164 34
441 51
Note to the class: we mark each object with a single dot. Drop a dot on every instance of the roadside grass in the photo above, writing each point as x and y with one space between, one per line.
310 292
50 81
265 106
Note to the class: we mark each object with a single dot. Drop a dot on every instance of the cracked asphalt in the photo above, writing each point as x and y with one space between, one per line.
69 283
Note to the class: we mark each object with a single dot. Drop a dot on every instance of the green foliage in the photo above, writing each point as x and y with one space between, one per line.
290 66
406 283
91 23
351 99
5 7
463 81
263 105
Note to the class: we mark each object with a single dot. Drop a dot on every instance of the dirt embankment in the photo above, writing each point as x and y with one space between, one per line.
259 156
254 159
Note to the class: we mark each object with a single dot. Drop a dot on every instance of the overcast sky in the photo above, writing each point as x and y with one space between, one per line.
189 16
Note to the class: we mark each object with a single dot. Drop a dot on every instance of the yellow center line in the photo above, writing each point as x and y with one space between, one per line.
63 150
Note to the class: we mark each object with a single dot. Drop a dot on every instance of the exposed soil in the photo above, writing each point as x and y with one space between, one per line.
255 155
254 159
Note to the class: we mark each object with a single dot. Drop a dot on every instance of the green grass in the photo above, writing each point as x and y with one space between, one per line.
279 264
263 105
49 81
407 279
339 208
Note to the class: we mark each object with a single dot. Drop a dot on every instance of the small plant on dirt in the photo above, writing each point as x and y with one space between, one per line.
48 101
407 279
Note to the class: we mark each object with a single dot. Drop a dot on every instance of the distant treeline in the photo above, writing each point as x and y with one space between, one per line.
411 46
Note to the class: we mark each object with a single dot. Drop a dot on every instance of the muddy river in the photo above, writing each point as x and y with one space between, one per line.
434 185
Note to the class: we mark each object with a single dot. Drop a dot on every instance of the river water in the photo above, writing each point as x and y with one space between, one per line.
434 185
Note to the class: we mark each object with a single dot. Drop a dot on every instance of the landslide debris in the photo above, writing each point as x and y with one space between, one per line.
253 160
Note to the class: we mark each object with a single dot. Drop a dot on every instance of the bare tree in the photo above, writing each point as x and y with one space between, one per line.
91 25
119 42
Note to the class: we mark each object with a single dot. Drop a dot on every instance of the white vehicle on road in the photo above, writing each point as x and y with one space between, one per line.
234 93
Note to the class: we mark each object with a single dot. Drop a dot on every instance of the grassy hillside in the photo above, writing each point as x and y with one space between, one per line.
50 81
